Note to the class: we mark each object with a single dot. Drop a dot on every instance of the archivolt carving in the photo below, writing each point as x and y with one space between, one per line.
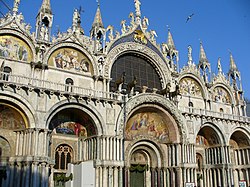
161 66
148 98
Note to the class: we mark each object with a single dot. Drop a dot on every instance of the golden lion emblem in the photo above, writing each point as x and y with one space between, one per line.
139 36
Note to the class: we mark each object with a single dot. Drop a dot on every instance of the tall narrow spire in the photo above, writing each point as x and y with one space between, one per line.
170 41
233 66
46 8
98 18
203 61
204 64
97 31
234 73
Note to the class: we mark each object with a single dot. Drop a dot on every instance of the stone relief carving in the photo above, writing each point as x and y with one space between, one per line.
190 87
221 95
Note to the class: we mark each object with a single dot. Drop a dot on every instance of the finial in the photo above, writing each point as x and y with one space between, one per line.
168 28
98 3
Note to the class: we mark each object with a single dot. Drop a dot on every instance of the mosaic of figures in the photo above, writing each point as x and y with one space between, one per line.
72 128
73 123
221 95
10 118
14 48
148 124
70 59
190 87
201 140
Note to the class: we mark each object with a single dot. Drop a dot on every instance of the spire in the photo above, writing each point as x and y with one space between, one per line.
203 61
234 73
170 41
45 8
204 65
232 63
98 18
97 31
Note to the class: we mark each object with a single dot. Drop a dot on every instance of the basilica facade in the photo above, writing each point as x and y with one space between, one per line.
113 108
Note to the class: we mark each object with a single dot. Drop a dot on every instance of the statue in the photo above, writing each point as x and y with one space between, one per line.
219 66
190 59
131 85
132 22
110 28
120 81
137 8
145 23
123 24
76 18
171 91
153 35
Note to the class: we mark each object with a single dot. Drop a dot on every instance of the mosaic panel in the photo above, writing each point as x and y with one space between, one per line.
221 95
190 87
150 124
70 59
14 48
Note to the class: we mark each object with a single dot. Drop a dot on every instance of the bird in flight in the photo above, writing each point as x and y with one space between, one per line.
189 17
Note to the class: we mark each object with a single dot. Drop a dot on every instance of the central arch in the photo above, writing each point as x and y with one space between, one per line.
142 158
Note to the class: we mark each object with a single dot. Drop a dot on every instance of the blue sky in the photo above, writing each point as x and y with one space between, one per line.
221 25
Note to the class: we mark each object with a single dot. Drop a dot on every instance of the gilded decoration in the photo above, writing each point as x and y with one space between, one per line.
11 118
72 128
221 95
201 140
148 124
14 48
70 59
190 87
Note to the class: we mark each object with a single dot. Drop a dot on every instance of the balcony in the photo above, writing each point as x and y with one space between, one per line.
209 113
41 86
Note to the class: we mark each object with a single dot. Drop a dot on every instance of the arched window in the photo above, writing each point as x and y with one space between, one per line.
63 156
131 68
190 104
6 71
69 83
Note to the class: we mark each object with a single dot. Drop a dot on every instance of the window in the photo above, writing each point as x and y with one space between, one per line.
190 104
69 83
63 156
135 66
6 71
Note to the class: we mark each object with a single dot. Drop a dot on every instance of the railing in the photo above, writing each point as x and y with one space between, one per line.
210 113
18 80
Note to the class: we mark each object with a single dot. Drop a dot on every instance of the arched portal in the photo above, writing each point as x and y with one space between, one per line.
143 160
209 152
240 155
